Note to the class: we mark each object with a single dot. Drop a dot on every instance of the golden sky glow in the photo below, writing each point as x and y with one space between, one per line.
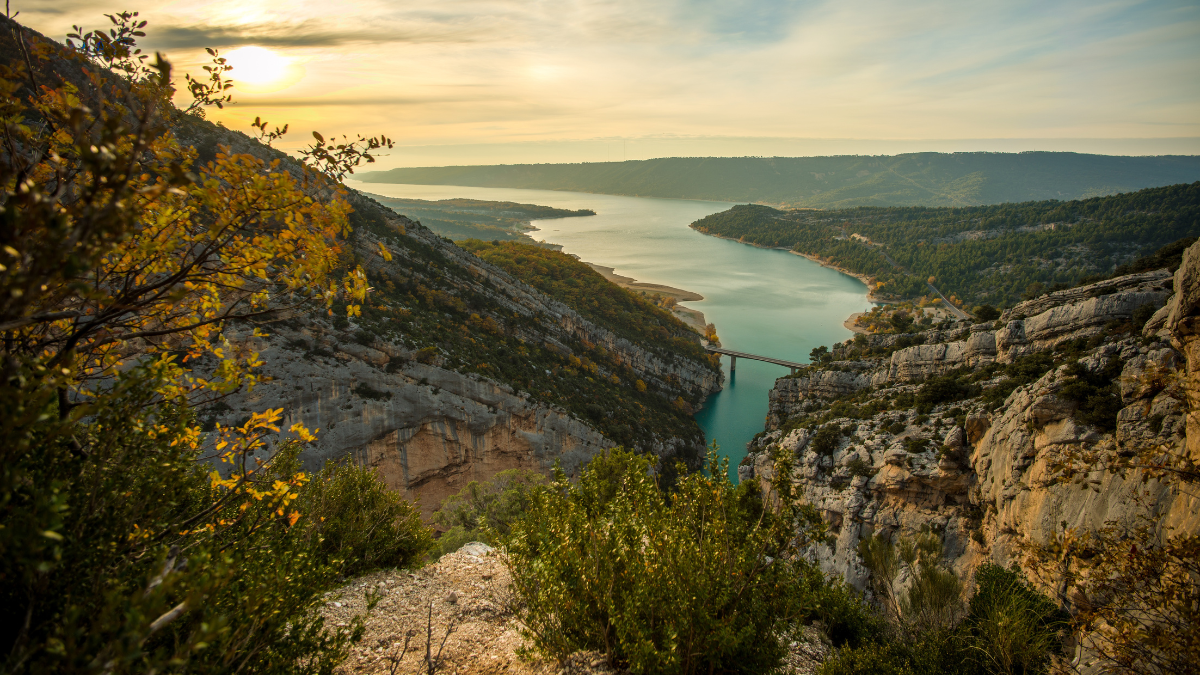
489 81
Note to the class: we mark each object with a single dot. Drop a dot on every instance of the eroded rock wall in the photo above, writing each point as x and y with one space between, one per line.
430 430
985 476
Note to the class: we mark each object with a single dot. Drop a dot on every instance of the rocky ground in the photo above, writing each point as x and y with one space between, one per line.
465 601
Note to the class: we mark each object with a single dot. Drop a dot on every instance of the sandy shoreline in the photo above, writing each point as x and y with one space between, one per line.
692 317
861 277
850 325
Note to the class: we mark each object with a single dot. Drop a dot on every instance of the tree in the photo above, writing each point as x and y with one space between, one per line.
122 263
986 313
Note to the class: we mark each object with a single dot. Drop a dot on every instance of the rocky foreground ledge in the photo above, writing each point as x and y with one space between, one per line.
465 599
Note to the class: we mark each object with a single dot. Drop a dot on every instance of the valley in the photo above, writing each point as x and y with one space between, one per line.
260 413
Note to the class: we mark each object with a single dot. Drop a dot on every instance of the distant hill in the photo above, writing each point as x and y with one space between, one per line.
918 179
460 219
995 254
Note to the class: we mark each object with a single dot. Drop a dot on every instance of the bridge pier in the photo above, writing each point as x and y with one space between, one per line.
732 363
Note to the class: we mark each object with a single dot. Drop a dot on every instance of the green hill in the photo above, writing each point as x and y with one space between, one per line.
918 179
460 219
983 254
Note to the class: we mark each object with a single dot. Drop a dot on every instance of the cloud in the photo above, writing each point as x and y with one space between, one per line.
304 34
456 71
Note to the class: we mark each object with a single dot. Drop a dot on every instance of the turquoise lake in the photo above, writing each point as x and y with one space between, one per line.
766 302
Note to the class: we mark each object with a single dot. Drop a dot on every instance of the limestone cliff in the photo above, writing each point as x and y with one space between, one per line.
933 433
456 370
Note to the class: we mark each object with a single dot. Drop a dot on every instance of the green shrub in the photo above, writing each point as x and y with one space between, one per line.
356 520
1095 394
926 654
826 440
858 467
1009 628
705 580
1012 628
944 389
96 504
486 511
367 391
985 313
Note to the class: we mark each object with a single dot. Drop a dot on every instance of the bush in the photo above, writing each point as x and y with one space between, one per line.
367 391
944 389
245 559
1095 394
928 654
359 522
703 581
985 313
1012 628
1141 315
826 440
858 467
486 511
1009 628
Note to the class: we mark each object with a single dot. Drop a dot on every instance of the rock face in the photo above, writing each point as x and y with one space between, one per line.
982 474
427 428
435 431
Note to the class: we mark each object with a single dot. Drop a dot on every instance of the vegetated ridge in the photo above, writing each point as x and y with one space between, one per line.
460 219
917 179
980 254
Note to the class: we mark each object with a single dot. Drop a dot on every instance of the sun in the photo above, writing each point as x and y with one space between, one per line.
257 68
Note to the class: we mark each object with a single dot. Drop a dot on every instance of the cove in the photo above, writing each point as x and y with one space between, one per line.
763 301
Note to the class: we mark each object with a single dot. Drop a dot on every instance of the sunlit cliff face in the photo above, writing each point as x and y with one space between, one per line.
514 71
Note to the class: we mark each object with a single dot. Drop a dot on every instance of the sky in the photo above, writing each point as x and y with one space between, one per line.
513 81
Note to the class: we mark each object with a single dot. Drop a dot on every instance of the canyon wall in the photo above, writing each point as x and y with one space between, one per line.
985 473
428 428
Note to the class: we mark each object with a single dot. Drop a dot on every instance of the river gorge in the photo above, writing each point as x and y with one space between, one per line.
762 301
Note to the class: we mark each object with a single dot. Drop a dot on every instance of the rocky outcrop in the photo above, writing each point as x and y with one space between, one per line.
428 430
986 477
790 395
1144 282
914 364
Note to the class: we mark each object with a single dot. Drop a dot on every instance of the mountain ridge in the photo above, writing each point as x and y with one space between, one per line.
912 179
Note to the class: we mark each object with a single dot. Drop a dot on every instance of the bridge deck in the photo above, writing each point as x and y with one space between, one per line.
743 355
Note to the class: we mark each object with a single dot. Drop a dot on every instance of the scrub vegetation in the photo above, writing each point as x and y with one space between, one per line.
978 255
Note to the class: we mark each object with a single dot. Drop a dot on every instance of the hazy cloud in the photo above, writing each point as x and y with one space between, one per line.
304 34
493 71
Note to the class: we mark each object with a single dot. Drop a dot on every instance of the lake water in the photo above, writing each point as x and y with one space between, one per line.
765 302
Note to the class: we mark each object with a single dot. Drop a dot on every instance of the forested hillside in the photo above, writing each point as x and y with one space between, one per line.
918 179
460 219
576 284
983 254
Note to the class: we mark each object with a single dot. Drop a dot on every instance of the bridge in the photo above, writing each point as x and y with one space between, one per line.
734 356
